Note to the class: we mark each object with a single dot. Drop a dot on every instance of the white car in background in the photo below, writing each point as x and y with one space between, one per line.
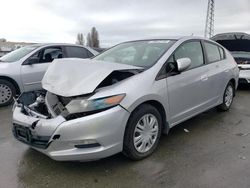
239 46
23 69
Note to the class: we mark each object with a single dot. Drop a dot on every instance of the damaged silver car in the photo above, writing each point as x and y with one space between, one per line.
125 98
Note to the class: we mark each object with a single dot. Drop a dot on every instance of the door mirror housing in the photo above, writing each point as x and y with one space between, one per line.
33 60
183 64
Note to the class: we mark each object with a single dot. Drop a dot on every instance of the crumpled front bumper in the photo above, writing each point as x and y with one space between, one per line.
87 138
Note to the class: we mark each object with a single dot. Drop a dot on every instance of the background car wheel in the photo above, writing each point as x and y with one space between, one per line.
143 132
227 97
7 92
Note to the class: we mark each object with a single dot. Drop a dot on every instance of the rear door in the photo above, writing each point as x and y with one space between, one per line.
32 74
217 70
187 91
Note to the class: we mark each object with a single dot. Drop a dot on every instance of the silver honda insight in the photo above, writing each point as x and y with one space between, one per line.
125 98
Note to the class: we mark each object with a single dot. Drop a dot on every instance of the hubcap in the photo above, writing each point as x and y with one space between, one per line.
146 133
229 96
5 93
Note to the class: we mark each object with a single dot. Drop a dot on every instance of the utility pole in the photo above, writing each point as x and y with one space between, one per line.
209 27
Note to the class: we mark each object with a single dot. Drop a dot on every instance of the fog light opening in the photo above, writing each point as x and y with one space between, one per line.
87 144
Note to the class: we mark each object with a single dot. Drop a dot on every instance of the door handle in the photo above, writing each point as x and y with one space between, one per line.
204 78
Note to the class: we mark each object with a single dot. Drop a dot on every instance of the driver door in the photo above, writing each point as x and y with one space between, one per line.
32 74
187 91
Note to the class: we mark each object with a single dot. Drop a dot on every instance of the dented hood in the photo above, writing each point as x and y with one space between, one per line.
72 77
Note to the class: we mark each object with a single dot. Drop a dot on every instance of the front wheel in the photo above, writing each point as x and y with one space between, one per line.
143 132
7 92
227 97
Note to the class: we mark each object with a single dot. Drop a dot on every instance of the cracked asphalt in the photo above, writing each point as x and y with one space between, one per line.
213 151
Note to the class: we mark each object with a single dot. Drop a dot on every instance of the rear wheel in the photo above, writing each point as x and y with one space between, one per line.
227 97
142 133
7 92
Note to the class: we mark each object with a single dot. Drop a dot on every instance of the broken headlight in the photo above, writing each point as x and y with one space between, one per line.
85 105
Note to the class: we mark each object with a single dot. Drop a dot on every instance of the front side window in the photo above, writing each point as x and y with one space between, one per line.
47 55
191 50
212 51
137 53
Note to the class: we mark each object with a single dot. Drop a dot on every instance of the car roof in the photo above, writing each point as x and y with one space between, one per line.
38 45
172 38
55 44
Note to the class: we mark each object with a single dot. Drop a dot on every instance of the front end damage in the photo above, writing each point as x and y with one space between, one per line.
73 127
41 121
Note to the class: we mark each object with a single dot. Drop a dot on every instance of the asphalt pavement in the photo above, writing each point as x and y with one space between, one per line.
210 150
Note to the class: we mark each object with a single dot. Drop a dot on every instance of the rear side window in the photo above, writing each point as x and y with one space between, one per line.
77 52
212 51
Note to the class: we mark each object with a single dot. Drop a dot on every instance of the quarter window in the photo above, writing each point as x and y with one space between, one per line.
213 53
222 53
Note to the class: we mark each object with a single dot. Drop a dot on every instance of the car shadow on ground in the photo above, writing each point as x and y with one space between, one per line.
244 87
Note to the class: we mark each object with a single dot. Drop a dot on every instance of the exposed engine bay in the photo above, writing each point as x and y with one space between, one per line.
44 104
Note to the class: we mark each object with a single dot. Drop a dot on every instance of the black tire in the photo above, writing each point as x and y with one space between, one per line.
128 145
224 106
12 93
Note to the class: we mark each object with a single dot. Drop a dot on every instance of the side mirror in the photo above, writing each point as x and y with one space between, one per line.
33 60
183 64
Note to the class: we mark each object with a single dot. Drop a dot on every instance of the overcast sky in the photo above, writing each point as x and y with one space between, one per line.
116 20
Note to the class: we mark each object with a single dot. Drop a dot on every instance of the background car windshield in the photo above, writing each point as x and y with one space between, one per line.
241 57
17 54
137 53
241 54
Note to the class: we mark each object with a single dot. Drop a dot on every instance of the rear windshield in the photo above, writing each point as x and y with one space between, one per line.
17 54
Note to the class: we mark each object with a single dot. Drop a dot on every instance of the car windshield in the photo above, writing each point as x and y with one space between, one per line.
137 53
17 54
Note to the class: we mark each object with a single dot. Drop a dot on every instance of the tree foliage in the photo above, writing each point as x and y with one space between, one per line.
80 39
93 38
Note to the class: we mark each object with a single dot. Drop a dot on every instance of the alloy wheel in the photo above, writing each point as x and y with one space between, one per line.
5 93
229 95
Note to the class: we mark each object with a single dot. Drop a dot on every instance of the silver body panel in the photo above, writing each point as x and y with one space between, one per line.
182 97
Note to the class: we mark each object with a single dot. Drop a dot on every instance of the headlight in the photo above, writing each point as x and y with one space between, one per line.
84 105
